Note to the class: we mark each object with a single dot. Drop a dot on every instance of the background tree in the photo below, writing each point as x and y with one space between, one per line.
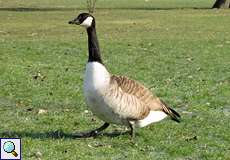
221 4
91 5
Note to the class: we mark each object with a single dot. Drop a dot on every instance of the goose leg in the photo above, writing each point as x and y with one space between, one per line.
132 131
94 132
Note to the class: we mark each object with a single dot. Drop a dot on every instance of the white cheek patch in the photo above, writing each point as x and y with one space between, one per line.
87 22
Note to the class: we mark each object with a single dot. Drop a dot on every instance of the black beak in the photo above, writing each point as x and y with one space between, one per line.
75 21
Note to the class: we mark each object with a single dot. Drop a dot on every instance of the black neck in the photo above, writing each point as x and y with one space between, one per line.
93 46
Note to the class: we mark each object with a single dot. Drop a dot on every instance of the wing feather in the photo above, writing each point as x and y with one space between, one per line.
137 100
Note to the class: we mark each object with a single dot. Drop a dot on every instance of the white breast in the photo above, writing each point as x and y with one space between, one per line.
96 81
96 77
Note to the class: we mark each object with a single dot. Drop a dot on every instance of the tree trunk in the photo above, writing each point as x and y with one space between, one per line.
221 4
91 5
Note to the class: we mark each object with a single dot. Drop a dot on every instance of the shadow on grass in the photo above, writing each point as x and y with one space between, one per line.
24 9
56 134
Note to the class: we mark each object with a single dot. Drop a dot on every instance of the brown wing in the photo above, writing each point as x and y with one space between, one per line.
140 96
134 88
147 100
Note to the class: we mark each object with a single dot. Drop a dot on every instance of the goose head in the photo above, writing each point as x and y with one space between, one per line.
84 19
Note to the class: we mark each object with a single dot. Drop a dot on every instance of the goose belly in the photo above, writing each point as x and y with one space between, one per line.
96 82
102 110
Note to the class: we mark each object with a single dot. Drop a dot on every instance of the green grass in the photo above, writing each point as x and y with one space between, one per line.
115 4
181 54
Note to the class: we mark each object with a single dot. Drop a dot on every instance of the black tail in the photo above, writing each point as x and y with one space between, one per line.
172 113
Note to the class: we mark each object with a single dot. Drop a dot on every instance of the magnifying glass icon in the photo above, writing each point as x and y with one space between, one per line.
9 147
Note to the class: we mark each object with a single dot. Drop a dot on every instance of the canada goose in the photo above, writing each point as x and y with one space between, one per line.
117 99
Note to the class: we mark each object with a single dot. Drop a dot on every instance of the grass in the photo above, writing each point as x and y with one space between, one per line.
118 4
181 54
